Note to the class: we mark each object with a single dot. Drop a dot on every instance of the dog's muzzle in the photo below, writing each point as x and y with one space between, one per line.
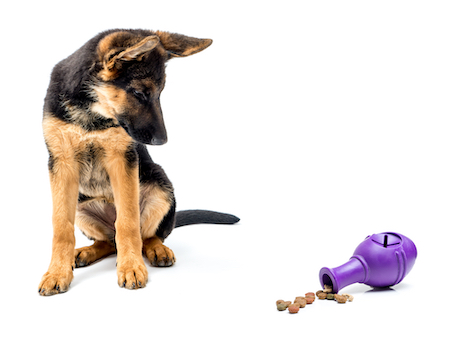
145 135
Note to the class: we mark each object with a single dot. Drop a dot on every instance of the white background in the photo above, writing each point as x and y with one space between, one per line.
316 122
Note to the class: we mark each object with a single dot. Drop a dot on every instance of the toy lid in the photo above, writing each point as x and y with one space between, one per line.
386 239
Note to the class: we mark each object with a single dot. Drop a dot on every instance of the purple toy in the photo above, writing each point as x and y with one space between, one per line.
381 260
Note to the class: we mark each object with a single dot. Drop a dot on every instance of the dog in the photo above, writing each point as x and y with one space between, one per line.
101 108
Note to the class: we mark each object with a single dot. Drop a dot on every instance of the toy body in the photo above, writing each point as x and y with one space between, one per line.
381 260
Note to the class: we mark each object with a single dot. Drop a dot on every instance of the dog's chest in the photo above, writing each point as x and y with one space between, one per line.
94 180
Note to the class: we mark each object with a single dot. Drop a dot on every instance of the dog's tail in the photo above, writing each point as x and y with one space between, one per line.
187 217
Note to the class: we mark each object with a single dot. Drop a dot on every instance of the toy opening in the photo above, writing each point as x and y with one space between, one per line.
326 280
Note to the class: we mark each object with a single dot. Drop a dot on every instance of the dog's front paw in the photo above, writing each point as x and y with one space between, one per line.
132 273
54 282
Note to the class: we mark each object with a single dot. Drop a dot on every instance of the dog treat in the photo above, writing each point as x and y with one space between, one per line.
310 297
302 302
349 297
322 295
282 306
330 296
297 299
327 289
293 308
340 299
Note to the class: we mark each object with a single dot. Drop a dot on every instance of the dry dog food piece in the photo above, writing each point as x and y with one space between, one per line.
322 295
302 302
320 291
327 289
340 299
309 300
297 299
282 306
349 297
330 296
310 294
293 308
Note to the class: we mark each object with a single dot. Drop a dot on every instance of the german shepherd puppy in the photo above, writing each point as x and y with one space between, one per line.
102 106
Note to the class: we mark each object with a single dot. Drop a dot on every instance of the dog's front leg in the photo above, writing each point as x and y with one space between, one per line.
64 179
124 178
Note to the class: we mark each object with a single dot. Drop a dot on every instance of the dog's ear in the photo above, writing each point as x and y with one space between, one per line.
178 45
135 52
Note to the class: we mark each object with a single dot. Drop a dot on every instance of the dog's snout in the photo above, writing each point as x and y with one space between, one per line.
158 141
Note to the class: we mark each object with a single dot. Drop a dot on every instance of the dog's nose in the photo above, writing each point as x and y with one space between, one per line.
156 141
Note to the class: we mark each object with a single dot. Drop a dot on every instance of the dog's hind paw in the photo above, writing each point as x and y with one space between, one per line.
89 254
157 253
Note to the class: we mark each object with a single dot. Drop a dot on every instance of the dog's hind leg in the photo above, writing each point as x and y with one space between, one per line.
89 254
157 220
157 253
95 218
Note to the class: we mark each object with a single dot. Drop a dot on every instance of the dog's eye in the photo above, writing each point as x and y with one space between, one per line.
139 95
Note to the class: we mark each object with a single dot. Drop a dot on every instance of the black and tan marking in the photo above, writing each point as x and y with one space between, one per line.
102 106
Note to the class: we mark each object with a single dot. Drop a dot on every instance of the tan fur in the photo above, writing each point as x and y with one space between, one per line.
111 100
64 185
91 227
89 254
105 46
137 48
156 203
131 269
157 253
64 142
171 43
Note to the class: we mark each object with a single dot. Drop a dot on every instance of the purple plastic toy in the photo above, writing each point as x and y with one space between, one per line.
381 260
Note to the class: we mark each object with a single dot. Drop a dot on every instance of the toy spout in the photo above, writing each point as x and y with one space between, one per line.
338 278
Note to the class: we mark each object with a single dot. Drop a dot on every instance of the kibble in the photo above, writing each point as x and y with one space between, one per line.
322 295
327 289
294 308
302 302
282 306
349 297
340 299
310 297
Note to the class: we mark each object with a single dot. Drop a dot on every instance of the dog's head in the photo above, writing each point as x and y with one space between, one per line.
131 76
